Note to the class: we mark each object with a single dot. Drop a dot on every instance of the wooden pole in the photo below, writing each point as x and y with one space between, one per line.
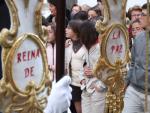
60 38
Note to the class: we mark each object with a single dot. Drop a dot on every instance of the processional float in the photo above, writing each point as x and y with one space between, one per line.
114 53
25 68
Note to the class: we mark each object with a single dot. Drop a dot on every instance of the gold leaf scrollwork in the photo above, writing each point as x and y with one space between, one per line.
123 14
114 96
99 69
34 98
12 100
7 37
113 78
101 26
3 92
38 20
26 103
112 74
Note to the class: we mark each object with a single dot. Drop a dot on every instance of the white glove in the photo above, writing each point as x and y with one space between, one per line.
59 99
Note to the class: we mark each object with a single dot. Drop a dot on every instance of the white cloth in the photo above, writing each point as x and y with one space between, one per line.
59 99
134 101
93 103
91 59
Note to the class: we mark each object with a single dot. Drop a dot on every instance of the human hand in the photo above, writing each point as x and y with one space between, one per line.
67 43
88 72
51 67
59 99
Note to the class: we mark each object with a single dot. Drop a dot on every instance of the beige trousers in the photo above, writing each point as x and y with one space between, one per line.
93 103
134 101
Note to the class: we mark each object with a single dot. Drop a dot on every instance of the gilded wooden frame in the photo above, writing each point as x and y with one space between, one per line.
10 57
112 73
104 44
32 100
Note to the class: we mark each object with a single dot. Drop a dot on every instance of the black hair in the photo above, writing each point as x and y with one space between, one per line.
52 2
76 5
81 15
97 9
88 34
99 1
53 27
44 21
75 26
145 7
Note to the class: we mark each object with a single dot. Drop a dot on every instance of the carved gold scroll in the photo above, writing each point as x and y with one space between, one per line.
25 70
114 53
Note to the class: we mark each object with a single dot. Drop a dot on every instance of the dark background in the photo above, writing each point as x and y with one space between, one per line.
4 23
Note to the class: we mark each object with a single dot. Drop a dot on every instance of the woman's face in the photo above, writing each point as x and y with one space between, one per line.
92 14
51 34
70 33
75 9
52 9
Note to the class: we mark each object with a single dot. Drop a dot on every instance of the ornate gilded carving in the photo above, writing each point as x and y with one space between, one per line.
115 83
111 66
101 26
38 20
16 100
123 14
33 98
7 37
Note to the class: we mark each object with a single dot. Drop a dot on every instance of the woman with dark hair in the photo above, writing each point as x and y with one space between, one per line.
81 15
88 34
51 49
53 10
94 90
75 9
75 58
94 12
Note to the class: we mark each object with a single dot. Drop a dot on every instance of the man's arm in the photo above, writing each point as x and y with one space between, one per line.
131 66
